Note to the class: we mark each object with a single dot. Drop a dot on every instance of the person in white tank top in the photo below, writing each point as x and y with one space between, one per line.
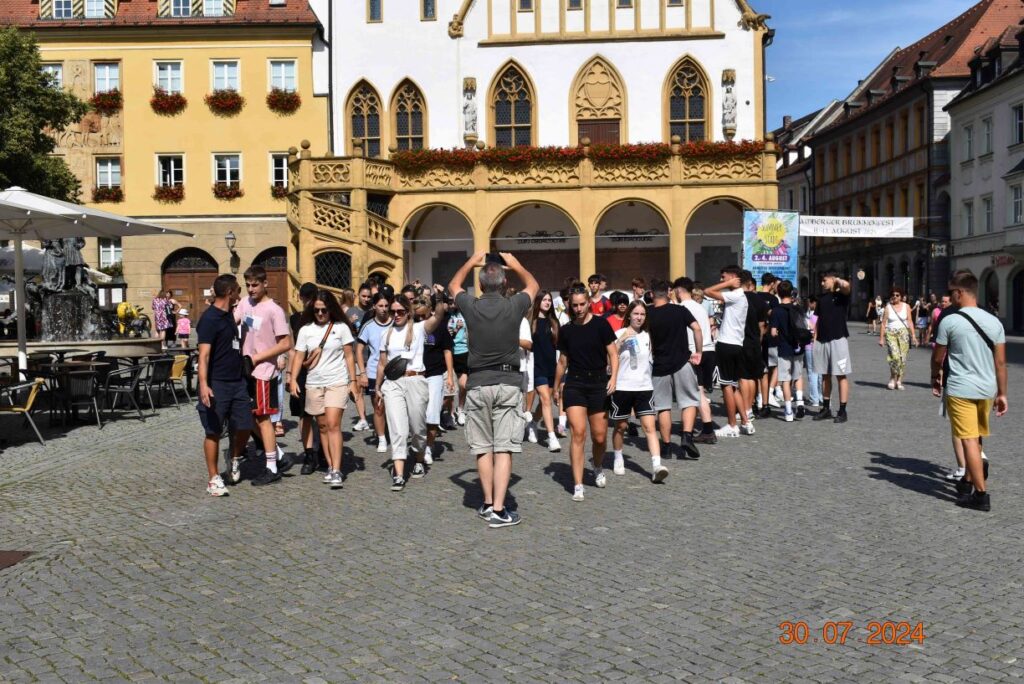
896 335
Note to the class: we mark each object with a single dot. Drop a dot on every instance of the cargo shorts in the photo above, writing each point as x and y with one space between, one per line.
494 419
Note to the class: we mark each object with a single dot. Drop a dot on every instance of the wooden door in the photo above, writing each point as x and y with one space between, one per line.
188 288
600 131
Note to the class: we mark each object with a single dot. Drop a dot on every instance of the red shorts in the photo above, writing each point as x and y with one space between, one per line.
264 397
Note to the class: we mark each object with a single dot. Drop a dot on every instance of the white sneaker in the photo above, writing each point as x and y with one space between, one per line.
553 444
773 401
778 394
747 429
750 415
216 487
236 470
327 477
956 474
361 426
660 473
577 493
620 466
727 431
382 446
428 457
600 480
531 434
461 417
789 416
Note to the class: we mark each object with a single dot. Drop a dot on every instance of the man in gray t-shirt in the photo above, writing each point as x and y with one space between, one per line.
494 422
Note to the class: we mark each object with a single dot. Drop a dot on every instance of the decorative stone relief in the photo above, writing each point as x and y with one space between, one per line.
598 93
729 104
378 174
380 231
558 174
437 178
95 134
630 172
331 173
469 118
732 169
331 218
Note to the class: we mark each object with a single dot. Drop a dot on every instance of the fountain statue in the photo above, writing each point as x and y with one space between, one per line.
65 302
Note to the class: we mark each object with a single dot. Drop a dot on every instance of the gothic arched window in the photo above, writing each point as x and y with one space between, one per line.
364 113
512 108
409 109
687 102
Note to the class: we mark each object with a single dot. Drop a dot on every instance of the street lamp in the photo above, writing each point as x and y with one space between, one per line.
230 240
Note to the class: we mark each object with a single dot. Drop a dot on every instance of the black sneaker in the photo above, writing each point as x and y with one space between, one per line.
485 511
309 463
978 501
265 478
823 414
841 417
765 412
285 463
800 412
705 438
397 483
964 486
688 446
984 466
506 518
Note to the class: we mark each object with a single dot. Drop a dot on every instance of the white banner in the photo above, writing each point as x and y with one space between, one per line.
857 226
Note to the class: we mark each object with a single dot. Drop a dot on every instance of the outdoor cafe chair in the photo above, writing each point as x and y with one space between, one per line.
18 399
79 388
157 379
123 382
178 378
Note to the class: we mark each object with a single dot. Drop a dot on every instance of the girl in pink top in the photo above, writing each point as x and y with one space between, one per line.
184 328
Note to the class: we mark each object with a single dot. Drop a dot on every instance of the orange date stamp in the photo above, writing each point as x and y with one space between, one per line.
839 632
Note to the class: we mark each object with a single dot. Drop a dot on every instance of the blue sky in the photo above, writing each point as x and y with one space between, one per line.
822 47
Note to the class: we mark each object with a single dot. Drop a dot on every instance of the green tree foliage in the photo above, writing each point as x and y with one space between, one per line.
30 109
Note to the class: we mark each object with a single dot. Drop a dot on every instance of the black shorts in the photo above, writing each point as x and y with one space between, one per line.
753 366
371 387
624 402
593 395
230 403
461 363
730 363
707 371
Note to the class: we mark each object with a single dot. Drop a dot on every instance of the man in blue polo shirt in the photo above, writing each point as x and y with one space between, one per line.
223 395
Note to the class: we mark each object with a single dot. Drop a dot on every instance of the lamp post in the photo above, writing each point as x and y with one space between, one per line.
234 261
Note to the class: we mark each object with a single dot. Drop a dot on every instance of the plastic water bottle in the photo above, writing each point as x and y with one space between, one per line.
632 346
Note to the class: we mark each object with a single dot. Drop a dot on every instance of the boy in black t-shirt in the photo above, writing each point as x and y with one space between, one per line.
831 346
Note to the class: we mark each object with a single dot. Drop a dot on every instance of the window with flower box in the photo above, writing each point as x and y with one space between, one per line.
687 104
279 170
512 104
225 75
170 170
106 77
108 172
227 169
110 252
282 75
169 77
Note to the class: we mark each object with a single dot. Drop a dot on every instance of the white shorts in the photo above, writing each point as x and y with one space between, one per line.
435 397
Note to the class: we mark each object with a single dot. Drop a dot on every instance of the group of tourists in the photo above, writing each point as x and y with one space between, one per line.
512 366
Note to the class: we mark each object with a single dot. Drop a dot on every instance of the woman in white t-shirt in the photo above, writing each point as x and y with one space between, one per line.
405 397
634 389
324 347
896 335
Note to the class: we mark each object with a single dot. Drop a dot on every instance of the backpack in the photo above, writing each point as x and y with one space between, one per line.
798 334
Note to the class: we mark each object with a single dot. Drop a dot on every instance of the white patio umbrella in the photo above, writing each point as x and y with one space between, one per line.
27 216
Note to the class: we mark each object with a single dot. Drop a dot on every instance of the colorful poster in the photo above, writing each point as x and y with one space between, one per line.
770 243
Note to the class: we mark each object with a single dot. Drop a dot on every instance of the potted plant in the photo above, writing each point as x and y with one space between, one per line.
107 103
171 194
278 191
225 102
167 104
227 191
105 194
283 101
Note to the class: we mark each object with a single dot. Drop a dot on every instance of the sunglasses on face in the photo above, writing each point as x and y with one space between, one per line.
318 310
398 312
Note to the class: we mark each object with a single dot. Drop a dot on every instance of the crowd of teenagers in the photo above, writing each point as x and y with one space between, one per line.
526 364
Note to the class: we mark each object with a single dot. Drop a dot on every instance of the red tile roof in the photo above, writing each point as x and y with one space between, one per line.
950 48
25 14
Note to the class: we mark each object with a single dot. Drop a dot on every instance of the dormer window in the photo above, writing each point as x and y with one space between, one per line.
94 9
62 9
181 8
213 8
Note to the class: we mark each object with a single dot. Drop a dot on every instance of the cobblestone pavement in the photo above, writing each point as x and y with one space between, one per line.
137 574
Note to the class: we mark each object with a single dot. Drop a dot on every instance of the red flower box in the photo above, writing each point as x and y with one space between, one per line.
167 104
105 194
643 153
227 191
225 102
278 191
171 194
721 151
107 103
283 101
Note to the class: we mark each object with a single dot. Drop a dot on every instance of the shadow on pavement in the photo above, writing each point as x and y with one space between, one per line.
472 497
915 474
882 385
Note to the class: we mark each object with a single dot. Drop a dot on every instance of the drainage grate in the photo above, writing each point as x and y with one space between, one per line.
9 558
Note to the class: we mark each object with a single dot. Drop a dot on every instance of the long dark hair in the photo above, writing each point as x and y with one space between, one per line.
551 315
334 314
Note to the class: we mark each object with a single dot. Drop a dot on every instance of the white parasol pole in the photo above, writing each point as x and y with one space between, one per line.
19 294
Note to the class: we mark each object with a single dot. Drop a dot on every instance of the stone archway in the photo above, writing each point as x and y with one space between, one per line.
632 240
544 239
437 240
988 291
714 238
275 261
189 274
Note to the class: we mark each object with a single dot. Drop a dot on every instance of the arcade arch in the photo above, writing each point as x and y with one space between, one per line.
714 238
544 238
632 240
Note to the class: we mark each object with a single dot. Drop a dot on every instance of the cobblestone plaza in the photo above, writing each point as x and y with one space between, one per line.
137 574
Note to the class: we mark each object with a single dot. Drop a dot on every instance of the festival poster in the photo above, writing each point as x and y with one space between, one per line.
770 243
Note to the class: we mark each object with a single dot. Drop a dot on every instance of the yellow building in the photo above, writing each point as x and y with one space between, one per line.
170 166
